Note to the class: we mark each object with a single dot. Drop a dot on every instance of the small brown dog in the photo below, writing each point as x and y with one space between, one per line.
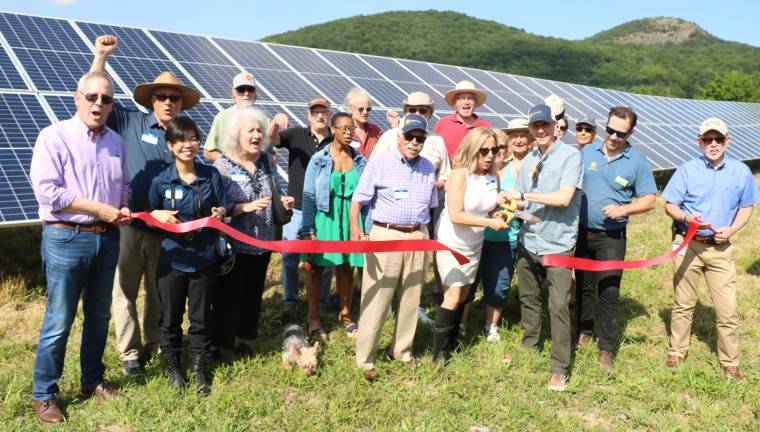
296 350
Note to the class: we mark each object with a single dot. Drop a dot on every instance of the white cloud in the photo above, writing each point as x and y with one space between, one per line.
63 2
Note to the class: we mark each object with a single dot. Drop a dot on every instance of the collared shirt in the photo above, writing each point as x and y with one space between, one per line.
301 145
398 191
557 231
147 152
716 194
366 146
196 250
452 129
433 150
217 129
614 181
70 161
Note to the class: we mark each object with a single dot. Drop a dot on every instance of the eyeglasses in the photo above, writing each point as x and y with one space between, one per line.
161 97
363 109
485 150
563 128
421 111
93 97
617 133
537 171
245 89
710 139
318 112
345 128
587 129
410 136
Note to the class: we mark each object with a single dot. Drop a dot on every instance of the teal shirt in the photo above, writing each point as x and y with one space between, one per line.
506 183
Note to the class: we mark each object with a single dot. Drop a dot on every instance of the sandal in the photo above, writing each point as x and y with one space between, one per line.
318 334
349 325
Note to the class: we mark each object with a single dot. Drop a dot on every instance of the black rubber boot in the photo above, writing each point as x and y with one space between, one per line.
198 371
173 367
442 334
454 339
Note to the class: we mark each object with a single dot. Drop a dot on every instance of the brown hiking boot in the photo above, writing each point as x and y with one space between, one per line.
584 339
48 412
605 360
673 361
558 382
732 372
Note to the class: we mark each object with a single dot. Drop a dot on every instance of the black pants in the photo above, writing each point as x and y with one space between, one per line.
603 246
237 300
176 287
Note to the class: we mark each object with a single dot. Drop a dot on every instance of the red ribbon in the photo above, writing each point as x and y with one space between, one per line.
304 246
593 265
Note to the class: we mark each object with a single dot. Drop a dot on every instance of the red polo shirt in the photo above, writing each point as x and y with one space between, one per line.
373 135
452 129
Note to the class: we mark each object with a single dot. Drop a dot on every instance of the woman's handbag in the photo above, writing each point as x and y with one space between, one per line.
280 214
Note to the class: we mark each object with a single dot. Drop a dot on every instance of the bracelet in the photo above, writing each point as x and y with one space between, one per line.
522 196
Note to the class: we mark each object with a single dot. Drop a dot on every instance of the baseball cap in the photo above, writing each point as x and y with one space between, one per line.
418 98
319 101
243 79
586 120
715 124
414 122
539 113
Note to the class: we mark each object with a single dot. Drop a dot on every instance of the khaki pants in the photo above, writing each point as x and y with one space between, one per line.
386 274
717 265
138 256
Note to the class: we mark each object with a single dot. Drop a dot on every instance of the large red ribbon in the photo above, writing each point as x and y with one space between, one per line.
593 265
304 246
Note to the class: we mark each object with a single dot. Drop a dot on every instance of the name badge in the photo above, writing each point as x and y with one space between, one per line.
491 185
355 144
621 181
401 194
149 138
177 193
238 176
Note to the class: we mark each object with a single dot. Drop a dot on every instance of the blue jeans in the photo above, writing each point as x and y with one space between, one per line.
75 264
497 266
289 275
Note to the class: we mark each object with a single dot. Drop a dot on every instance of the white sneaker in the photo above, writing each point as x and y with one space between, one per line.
492 333
424 319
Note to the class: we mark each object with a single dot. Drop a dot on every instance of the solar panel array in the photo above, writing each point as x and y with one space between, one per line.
42 58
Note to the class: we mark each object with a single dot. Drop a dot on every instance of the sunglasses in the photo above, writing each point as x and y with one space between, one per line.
345 128
563 128
617 133
421 111
408 136
537 171
318 112
161 97
587 129
245 89
93 97
363 109
484 151
705 139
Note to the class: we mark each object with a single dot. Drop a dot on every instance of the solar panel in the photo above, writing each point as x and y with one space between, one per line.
51 54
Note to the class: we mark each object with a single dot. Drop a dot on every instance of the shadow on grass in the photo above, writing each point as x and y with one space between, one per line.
754 268
703 324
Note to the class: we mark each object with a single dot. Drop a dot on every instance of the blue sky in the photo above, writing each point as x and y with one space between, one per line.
251 20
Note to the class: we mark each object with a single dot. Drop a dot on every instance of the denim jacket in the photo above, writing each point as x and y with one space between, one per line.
316 189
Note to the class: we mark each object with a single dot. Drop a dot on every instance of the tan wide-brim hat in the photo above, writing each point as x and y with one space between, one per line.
465 87
519 124
143 92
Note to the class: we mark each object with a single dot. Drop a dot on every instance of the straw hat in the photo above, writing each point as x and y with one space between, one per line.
519 124
465 87
143 92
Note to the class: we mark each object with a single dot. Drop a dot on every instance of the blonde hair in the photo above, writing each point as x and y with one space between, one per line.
231 137
503 138
467 155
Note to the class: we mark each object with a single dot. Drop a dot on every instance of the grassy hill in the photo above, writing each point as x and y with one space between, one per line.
662 56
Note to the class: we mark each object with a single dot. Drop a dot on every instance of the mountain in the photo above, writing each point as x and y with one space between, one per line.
661 56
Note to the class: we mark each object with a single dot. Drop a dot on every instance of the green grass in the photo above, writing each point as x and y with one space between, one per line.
474 392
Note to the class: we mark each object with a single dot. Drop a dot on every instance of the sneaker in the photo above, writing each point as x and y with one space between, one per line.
424 319
462 329
558 382
492 333
605 360
132 367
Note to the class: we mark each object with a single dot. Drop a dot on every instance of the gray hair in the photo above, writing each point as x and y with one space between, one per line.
231 135
94 74
353 93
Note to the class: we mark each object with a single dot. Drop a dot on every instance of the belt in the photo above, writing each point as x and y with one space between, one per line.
615 233
95 227
402 228
710 241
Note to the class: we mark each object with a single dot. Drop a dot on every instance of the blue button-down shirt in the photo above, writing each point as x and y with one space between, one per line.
398 191
557 231
716 194
614 181
196 250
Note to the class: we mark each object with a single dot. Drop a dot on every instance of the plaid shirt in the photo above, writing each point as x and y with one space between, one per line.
400 192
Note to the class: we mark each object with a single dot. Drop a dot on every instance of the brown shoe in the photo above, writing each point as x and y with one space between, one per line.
102 390
48 412
370 375
584 339
732 372
605 360
558 382
673 361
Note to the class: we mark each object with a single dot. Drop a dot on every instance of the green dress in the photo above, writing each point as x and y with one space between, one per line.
334 224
